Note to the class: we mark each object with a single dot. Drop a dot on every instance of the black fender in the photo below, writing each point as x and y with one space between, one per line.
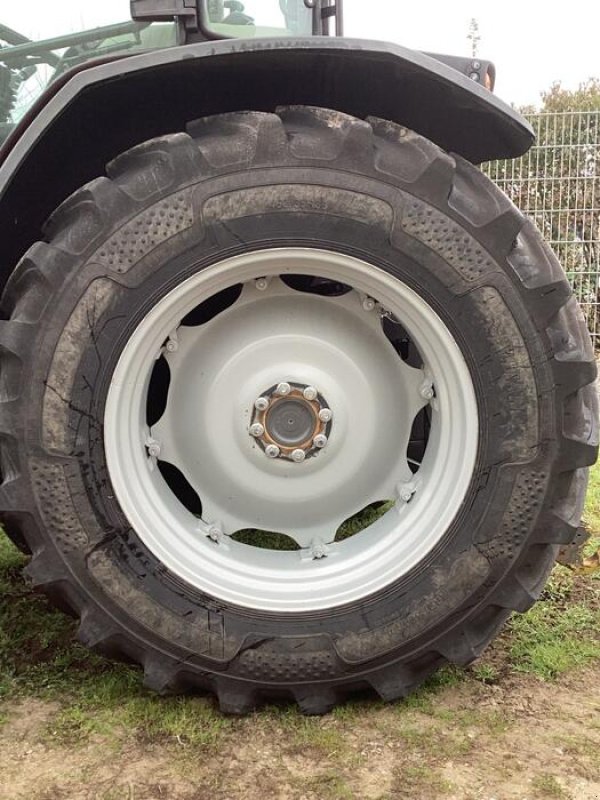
97 111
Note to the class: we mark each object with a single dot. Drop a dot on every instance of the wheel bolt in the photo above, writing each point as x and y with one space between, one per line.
272 450
310 393
172 346
154 450
256 429
320 440
368 304
318 548
406 491
426 391
261 284
214 533
261 404
283 388
325 415
298 455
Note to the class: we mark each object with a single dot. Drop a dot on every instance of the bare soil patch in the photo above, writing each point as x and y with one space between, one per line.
519 739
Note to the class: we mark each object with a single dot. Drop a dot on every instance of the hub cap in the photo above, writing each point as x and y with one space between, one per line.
291 421
290 411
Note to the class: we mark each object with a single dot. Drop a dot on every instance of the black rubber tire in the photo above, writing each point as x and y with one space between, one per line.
251 180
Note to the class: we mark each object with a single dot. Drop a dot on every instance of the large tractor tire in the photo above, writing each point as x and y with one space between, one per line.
252 332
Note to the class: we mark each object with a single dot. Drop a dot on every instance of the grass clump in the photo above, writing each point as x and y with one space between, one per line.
550 640
358 522
329 786
546 786
591 514
414 780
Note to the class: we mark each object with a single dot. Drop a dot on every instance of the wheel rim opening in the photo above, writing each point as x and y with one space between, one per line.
401 341
363 519
265 540
180 487
316 284
419 437
158 391
213 306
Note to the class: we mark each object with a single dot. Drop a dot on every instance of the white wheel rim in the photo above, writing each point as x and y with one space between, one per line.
218 369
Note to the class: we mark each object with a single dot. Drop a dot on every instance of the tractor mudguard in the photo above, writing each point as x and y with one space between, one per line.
91 114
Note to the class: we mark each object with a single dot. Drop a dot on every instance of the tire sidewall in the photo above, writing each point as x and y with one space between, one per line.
462 569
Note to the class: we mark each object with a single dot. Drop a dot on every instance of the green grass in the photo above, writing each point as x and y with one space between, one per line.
362 520
549 641
591 514
546 786
267 540
412 779
328 786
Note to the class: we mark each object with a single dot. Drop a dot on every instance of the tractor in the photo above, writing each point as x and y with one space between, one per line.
294 402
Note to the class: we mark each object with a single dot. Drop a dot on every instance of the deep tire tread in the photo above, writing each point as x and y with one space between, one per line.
295 135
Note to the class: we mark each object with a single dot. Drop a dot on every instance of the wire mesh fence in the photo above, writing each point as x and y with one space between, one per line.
557 183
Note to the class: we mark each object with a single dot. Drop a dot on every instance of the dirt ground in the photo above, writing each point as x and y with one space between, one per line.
517 740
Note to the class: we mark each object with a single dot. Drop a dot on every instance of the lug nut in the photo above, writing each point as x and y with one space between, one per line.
368 304
272 450
310 393
256 429
154 450
320 440
261 404
325 415
283 388
172 346
261 284
298 455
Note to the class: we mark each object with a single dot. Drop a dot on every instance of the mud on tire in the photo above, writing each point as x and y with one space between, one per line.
301 179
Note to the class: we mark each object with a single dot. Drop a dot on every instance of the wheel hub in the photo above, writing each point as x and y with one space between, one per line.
291 421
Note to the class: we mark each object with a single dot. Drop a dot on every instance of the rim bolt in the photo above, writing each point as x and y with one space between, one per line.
320 440
172 343
256 429
215 533
261 284
406 491
310 393
426 390
154 450
261 404
318 548
368 304
283 388
298 455
325 415
272 450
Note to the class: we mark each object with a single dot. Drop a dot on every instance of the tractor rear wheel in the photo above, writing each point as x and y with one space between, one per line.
293 404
